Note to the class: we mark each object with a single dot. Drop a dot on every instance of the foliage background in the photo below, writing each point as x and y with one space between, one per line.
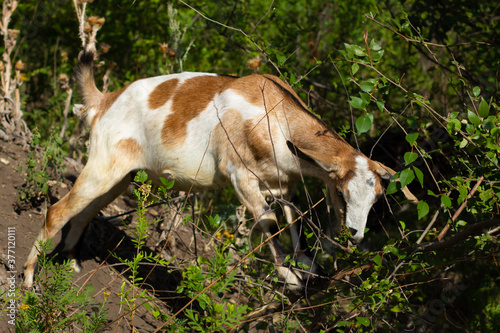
439 61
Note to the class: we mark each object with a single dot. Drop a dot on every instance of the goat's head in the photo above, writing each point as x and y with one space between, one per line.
354 184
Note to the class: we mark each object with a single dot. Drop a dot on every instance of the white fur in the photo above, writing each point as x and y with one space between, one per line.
361 198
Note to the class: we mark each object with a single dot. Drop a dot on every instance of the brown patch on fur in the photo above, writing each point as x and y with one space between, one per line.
262 91
258 140
53 212
287 89
189 100
128 147
106 102
162 93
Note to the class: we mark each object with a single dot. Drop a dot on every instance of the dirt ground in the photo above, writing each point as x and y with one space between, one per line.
105 235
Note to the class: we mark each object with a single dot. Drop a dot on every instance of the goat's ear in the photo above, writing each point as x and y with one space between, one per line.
386 173
313 157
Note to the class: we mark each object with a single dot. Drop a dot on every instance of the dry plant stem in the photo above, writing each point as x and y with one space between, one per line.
429 226
234 267
12 126
80 14
459 211
67 103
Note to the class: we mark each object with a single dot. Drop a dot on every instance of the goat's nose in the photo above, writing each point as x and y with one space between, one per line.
353 231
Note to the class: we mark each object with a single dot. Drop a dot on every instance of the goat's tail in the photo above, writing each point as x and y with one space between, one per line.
85 78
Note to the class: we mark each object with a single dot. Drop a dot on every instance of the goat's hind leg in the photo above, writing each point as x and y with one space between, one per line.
82 199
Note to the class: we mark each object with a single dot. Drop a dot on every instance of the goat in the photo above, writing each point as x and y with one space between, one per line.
207 131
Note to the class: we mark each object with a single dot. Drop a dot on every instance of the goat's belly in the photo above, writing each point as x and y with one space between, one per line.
195 181
189 172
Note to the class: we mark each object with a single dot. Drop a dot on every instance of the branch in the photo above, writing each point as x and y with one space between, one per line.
457 238
460 209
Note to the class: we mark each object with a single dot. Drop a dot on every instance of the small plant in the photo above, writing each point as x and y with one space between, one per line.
215 312
59 306
41 169
131 295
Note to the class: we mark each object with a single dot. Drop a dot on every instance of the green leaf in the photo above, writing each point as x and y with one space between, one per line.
403 225
420 175
410 157
377 55
354 68
367 86
141 177
453 124
363 321
476 91
357 103
406 177
354 50
446 201
392 188
489 123
380 106
168 184
365 97
463 143
412 121
378 260
483 109
423 209
364 123
411 138
473 118
374 46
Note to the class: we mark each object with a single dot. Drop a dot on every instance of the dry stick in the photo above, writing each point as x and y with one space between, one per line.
235 266
66 111
459 211
429 226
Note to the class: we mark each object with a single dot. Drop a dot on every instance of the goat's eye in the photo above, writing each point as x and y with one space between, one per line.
340 194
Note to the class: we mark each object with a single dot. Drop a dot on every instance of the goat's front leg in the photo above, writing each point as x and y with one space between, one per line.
248 191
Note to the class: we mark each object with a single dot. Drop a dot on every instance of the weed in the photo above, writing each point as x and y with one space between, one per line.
40 169
59 305
132 296
215 311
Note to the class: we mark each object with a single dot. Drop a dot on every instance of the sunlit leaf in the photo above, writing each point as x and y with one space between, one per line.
423 209
364 123
473 118
406 177
483 109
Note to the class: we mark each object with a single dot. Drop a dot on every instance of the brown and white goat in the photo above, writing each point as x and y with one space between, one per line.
207 131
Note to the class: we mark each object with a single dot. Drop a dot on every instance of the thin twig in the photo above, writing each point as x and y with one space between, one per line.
459 211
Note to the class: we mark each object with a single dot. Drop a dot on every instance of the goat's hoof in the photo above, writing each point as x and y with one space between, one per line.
75 265
301 282
293 279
